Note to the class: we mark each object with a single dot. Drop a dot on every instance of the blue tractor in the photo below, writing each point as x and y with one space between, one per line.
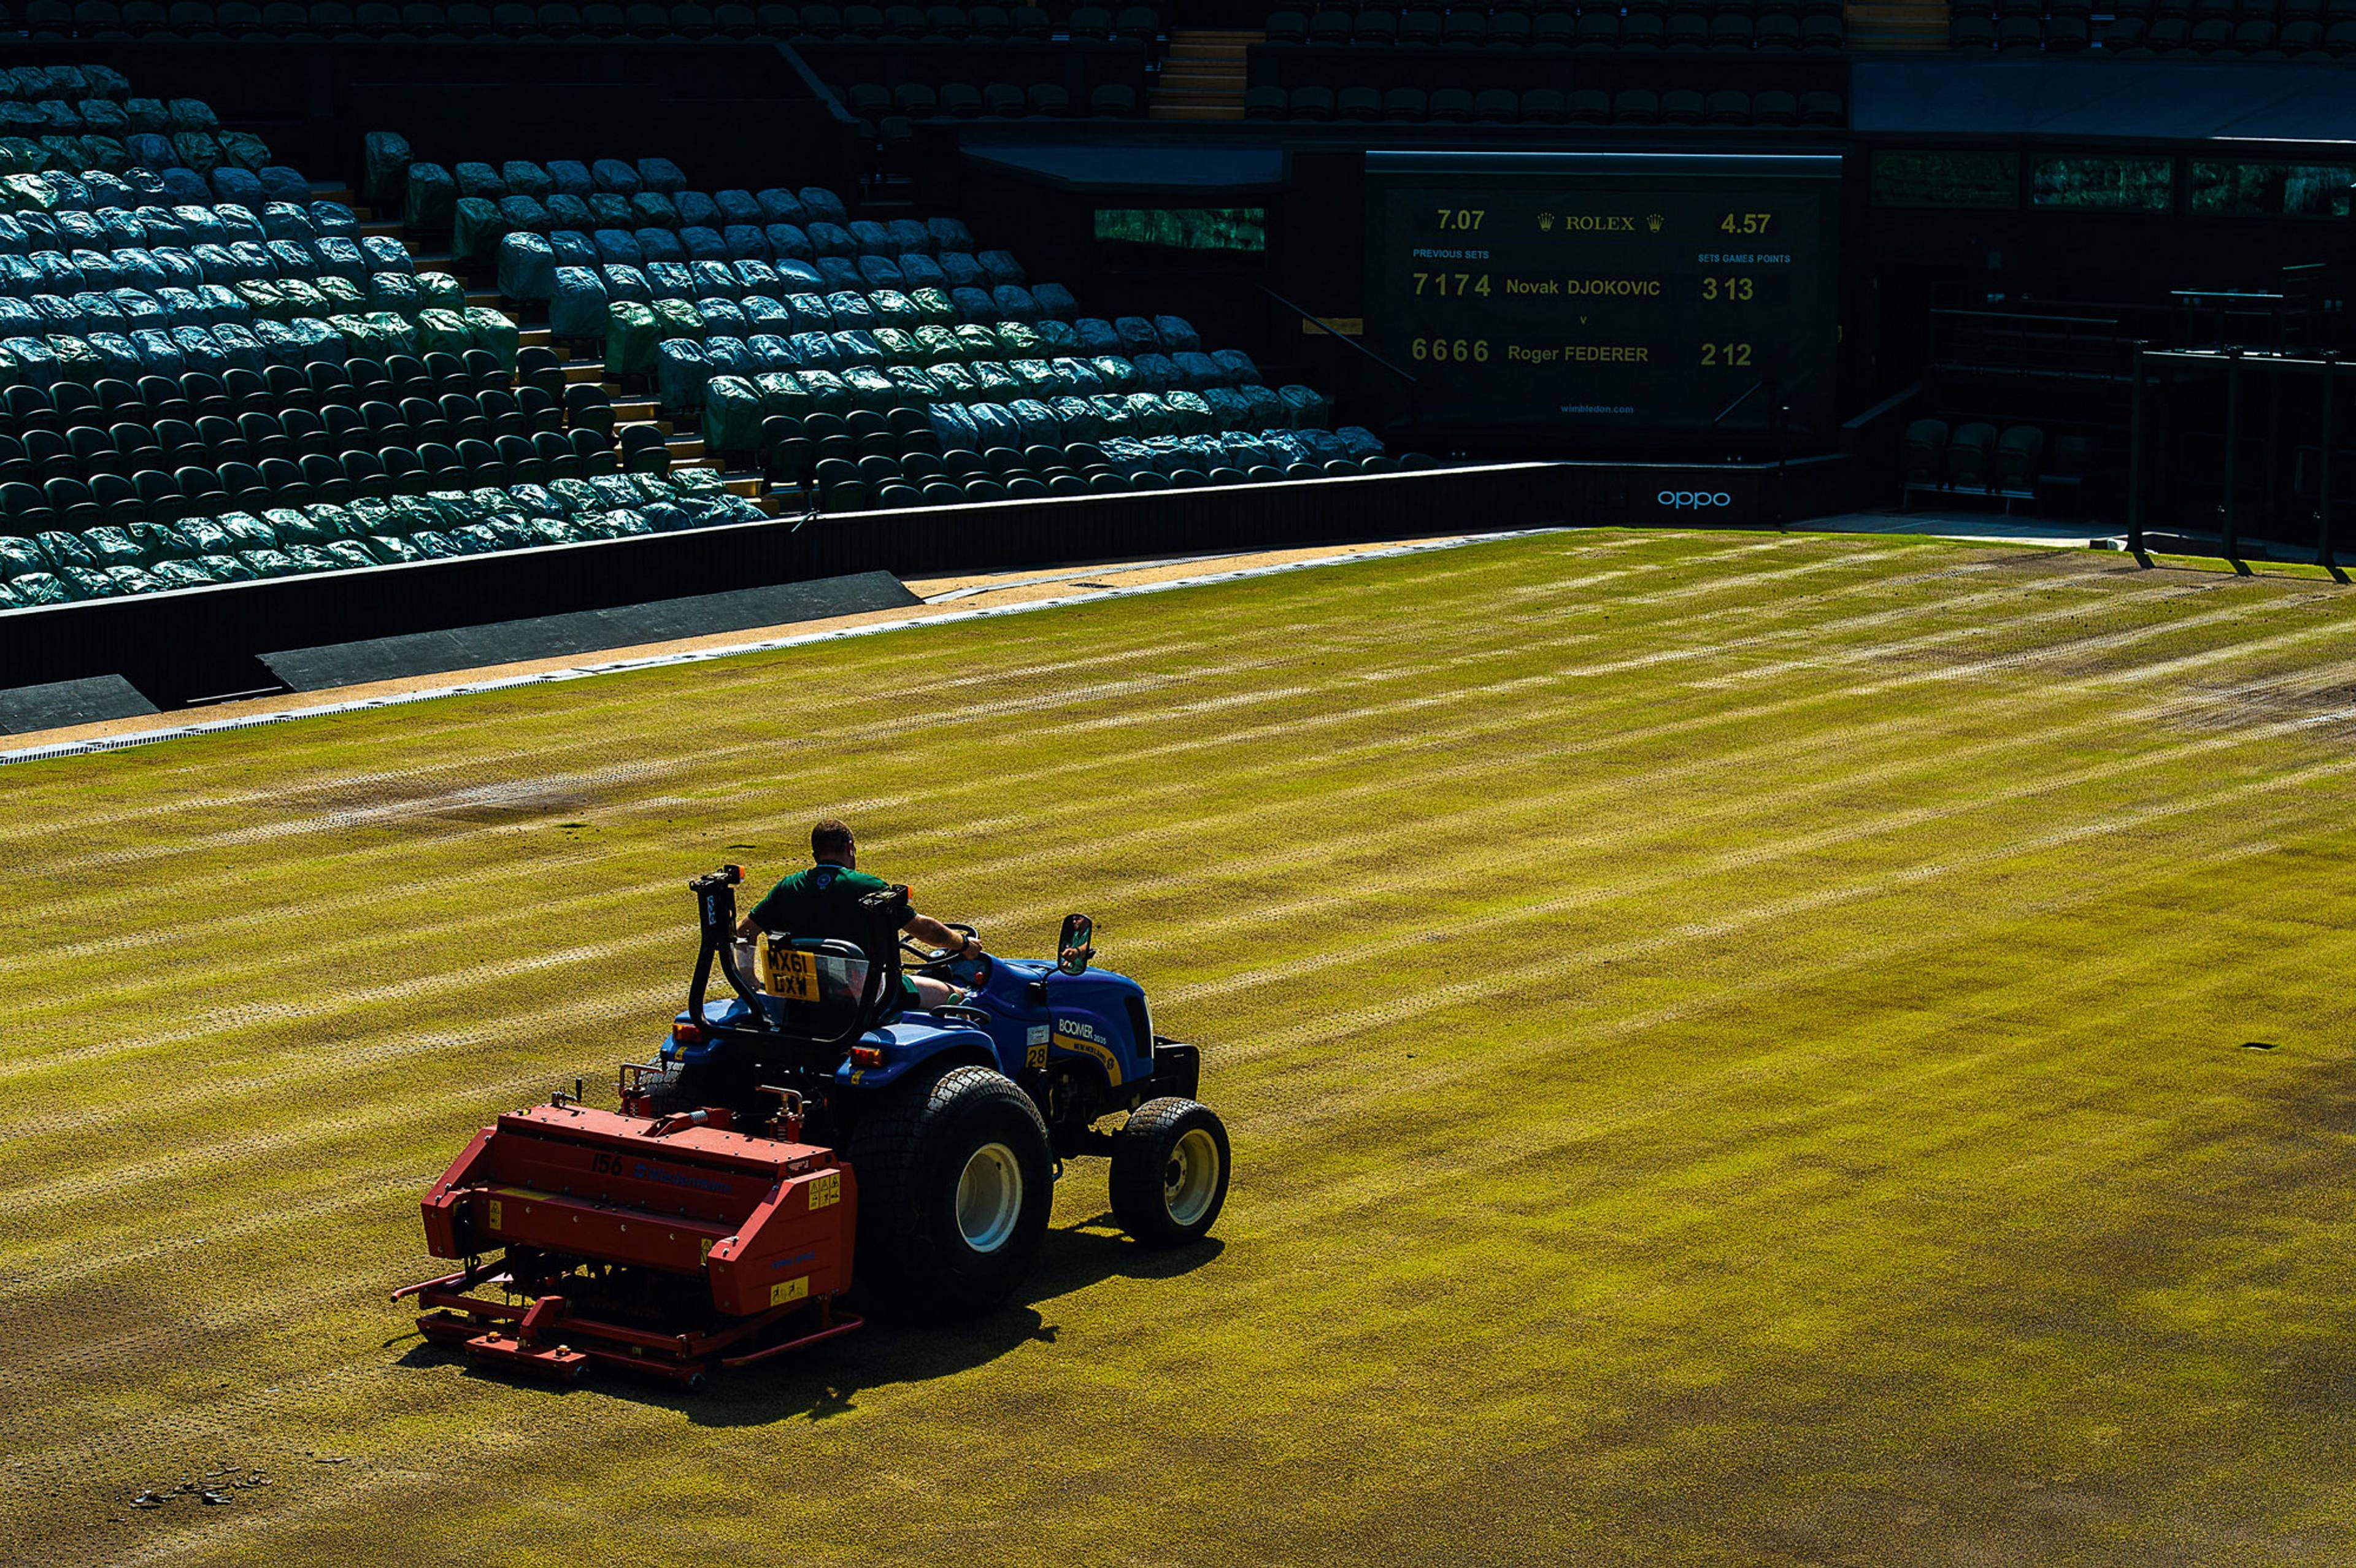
956 1123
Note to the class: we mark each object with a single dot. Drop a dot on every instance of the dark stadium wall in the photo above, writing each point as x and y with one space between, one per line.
197 642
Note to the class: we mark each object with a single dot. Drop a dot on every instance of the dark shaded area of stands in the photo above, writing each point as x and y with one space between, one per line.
739 112
1078 67
2144 101
203 642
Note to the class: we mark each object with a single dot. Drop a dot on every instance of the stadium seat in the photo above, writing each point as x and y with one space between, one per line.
2020 456
1545 106
1496 106
1452 105
1923 453
1637 106
1970 457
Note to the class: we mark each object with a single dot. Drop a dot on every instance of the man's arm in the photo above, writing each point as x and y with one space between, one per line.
751 925
933 934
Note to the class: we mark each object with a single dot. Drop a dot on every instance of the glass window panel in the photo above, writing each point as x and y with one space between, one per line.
2101 184
1228 230
1908 178
2230 188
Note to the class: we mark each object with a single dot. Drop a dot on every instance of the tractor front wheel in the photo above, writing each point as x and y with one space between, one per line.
1168 1172
955 1185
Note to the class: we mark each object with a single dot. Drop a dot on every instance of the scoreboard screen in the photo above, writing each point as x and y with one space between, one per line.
1642 296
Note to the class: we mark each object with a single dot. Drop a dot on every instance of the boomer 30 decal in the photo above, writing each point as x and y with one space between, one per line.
1079 1035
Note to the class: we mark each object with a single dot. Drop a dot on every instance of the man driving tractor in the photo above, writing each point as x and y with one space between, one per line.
825 901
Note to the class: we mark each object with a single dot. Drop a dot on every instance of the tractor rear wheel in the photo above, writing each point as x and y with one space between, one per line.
1170 1172
955 1184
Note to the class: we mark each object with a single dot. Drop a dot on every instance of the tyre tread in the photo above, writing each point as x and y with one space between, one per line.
1138 1149
892 1158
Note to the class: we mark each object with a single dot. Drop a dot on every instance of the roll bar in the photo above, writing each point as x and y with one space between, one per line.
716 904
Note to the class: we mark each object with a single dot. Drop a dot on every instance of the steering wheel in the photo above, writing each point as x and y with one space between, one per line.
929 962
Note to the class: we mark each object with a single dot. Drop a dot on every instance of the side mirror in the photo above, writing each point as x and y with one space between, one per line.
1072 949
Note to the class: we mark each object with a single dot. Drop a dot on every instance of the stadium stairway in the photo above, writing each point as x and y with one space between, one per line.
632 409
1202 79
1885 25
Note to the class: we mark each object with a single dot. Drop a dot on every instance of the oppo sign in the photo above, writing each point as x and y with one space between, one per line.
1693 500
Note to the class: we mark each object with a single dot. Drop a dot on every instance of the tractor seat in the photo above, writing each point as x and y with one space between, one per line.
820 988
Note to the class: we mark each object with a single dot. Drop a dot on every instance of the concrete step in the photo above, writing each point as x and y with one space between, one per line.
749 486
585 371
1909 26
634 411
1202 77
684 446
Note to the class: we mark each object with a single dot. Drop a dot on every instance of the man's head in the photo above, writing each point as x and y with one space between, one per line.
832 844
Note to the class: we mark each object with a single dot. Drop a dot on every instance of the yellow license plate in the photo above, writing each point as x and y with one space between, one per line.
792 975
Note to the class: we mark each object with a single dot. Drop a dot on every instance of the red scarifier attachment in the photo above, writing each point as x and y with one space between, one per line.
667 1245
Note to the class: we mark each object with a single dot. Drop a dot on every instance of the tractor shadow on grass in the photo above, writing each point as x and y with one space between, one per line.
827 1380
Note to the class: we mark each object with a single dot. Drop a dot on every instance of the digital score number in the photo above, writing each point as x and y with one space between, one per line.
1617 293
1460 284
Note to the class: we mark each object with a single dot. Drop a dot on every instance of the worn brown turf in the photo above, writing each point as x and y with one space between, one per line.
1739 1049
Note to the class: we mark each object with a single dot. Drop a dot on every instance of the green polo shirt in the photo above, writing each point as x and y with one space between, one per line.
822 903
